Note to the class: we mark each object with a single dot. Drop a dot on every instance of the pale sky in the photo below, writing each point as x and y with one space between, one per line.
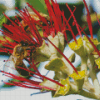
9 3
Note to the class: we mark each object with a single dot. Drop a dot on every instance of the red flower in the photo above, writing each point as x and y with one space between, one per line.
16 31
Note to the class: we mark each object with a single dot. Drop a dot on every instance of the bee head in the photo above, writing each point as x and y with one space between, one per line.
19 51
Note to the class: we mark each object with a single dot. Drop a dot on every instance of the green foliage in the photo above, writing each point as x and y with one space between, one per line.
39 5
2 20
18 4
2 9
98 35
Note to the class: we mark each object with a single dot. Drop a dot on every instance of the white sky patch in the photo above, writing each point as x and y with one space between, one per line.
8 3
68 1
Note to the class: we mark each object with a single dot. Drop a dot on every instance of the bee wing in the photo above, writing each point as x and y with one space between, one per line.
12 65
9 65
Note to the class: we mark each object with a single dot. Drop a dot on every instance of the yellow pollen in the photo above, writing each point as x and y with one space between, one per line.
80 75
75 46
63 90
97 61
95 41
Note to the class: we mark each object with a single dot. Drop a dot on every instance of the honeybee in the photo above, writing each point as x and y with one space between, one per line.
16 60
20 51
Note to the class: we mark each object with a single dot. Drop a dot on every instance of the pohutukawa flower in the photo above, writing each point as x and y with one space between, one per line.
58 26
28 44
77 47
22 42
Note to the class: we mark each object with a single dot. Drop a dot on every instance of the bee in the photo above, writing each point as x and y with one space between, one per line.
16 60
20 51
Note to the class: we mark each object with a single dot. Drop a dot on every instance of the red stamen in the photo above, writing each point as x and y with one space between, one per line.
64 56
89 19
71 14
25 35
10 35
52 15
42 76
17 30
57 13
35 76
22 85
34 67
37 86
91 43
31 23
7 45
83 29
6 50
97 19
69 27
14 30
74 20
42 18
10 43
19 78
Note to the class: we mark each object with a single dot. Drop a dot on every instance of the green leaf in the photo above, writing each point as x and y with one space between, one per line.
39 5
98 35
2 20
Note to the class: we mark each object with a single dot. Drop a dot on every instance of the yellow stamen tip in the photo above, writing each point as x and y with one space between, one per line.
75 46
80 75
63 90
97 61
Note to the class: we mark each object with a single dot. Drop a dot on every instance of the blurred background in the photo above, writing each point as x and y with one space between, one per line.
8 7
